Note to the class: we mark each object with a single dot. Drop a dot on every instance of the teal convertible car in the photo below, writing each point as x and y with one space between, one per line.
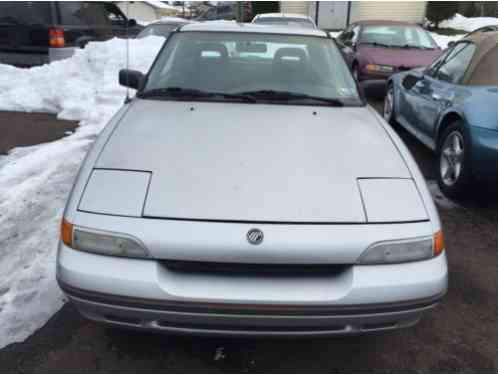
452 107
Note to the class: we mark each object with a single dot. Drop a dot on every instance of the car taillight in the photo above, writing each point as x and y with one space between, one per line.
56 38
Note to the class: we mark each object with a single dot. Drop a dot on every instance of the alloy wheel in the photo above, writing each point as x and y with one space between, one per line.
451 158
388 105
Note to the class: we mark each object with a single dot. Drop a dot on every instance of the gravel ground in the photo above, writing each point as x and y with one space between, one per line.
27 129
461 335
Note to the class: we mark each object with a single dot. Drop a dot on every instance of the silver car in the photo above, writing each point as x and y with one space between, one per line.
249 190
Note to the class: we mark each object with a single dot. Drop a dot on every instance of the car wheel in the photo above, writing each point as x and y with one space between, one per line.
388 111
454 174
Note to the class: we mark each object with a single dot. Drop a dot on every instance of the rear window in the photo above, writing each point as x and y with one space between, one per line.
82 13
25 12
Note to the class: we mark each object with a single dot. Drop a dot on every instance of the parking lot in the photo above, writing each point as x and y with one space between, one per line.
461 335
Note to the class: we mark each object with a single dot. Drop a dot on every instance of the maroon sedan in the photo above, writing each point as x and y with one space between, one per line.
377 49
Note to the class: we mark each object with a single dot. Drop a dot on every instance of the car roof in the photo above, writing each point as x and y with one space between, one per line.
482 69
282 15
385 23
230 26
481 36
170 21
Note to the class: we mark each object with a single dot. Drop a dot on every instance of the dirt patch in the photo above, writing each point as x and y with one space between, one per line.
28 129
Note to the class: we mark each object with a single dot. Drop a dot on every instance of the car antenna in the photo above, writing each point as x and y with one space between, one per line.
127 99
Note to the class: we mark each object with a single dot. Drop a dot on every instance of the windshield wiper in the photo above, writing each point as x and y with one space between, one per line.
408 46
288 95
376 44
185 93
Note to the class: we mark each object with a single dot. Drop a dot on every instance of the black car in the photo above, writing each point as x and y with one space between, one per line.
38 32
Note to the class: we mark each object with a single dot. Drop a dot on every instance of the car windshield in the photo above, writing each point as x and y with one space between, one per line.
288 69
397 36
285 21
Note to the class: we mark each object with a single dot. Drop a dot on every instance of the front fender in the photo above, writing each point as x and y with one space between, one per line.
481 107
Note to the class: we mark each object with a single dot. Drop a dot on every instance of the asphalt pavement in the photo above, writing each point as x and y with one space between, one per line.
460 335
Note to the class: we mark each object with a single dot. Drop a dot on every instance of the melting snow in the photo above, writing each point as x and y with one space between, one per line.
468 24
35 181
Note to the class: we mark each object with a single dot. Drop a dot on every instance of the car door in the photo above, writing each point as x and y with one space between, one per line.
435 89
116 20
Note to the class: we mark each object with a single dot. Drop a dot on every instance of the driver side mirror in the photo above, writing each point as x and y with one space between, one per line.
132 22
131 78
411 80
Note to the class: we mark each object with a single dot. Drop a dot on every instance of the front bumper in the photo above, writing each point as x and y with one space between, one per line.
30 59
143 294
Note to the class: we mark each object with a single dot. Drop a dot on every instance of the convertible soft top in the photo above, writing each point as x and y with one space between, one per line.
483 69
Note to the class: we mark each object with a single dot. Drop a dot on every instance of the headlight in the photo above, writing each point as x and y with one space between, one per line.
380 68
104 243
402 251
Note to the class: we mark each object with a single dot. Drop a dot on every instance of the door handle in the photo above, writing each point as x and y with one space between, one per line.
436 97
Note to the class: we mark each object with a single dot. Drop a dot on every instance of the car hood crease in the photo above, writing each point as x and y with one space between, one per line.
253 162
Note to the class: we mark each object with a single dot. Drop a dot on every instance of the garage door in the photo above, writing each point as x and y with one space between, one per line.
410 11
296 7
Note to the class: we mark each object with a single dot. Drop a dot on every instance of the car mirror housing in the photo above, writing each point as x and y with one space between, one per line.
411 80
132 22
131 78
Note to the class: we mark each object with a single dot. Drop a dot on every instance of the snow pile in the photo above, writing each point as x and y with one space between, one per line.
460 22
35 181
160 5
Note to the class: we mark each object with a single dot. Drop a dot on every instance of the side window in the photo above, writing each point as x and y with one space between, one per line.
432 69
25 12
456 63
76 13
114 14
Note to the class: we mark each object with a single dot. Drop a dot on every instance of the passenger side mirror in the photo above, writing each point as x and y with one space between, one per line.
131 78
411 80
348 43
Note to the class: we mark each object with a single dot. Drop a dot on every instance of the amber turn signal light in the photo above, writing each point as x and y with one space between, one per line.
67 233
438 243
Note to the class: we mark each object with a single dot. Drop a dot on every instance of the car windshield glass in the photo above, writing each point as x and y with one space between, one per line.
397 36
158 30
288 69
285 21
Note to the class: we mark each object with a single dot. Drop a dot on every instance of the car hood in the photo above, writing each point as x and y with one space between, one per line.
398 57
253 162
